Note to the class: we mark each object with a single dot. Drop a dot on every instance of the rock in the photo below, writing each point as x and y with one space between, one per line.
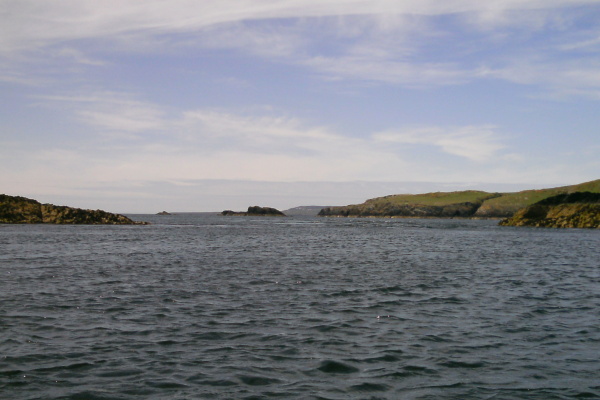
21 210
568 210
256 211
163 213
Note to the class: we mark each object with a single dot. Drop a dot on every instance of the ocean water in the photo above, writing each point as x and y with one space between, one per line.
201 306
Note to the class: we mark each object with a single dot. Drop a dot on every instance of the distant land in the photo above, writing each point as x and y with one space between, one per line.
21 210
304 211
461 204
255 211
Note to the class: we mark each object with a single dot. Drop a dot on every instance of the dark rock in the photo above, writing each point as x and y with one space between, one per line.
256 211
163 213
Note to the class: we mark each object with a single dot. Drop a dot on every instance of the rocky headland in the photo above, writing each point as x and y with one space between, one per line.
255 211
461 204
572 210
432 205
21 210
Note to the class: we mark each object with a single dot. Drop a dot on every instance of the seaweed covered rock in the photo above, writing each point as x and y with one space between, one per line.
568 210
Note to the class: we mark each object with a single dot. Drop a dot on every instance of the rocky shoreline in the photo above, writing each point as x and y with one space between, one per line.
21 210
573 210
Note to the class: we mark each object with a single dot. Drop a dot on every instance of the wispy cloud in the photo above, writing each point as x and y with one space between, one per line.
561 78
390 71
476 143
211 143
377 41
112 111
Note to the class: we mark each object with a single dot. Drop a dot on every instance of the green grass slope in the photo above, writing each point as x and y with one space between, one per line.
433 199
509 203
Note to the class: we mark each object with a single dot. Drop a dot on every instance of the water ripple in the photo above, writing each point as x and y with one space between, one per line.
322 309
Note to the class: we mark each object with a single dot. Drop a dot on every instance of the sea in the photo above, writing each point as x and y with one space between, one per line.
203 306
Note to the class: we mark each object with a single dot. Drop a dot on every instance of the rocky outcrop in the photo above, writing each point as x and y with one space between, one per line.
491 210
21 210
163 213
570 210
256 211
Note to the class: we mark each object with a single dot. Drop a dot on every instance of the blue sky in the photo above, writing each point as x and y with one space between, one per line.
190 105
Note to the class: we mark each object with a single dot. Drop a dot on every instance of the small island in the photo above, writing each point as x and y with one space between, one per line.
21 210
163 213
255 211
572 210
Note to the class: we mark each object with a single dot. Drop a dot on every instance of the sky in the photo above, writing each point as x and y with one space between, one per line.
188 105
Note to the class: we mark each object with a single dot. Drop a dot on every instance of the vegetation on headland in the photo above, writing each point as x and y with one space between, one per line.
21 210
567 210
255 211
465 204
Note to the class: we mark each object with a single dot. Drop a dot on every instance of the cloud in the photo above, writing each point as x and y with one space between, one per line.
34 23
412 74
408 43
112 111
79 57
475 143
561 78
141 141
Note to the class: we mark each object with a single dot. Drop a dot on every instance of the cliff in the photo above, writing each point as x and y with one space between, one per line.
464 204
572 210
256 211
21 210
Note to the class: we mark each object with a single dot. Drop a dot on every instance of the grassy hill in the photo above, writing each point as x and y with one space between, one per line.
509 203
434 199
469 203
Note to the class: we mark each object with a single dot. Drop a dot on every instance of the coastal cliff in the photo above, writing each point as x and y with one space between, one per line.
255 211
573 210
21 210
